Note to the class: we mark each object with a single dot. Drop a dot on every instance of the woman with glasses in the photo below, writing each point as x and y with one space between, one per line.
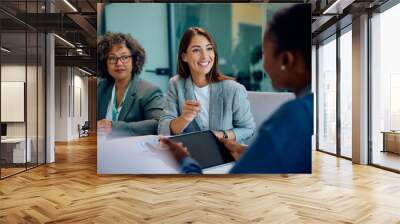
201 98
125 102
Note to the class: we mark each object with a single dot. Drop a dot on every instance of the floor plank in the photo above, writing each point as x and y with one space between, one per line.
70 191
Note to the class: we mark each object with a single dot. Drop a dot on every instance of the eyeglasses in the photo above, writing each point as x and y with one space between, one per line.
124 59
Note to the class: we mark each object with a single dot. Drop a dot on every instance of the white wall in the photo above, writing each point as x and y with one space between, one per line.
70 83
79 117
61 103
12 73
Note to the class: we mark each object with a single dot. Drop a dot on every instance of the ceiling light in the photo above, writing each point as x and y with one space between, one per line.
86 72
65 41
5 50
70 5
79 51
329 9
337 7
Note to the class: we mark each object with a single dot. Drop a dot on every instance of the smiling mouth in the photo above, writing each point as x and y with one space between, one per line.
204 64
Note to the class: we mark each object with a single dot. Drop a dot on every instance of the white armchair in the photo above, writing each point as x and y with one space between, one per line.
264 104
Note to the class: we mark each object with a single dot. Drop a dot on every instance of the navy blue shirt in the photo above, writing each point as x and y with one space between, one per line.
282 145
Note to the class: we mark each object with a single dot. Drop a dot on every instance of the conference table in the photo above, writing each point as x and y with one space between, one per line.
139 155
391 141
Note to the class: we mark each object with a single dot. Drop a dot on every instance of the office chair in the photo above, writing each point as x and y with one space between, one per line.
84 130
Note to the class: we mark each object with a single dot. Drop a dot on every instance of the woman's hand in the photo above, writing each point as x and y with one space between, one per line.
234 147
178 151
191 109
218 134
104 126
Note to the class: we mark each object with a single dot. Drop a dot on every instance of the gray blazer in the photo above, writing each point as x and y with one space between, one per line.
229 108
141 108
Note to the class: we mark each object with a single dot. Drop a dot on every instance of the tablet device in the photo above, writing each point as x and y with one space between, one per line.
205 148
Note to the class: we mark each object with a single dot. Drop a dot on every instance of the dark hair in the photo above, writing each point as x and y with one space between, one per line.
290 29
215 74
109 40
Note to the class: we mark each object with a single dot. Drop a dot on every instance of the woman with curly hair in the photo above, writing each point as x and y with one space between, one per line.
125 102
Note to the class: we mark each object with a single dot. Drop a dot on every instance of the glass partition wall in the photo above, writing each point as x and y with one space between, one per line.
334 90
327 95
22 77
345 62
13 85
385 89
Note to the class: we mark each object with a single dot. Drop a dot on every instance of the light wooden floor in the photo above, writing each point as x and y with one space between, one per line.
5 172
70 191
10 171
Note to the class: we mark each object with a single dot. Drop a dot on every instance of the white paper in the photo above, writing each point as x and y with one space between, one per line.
133 155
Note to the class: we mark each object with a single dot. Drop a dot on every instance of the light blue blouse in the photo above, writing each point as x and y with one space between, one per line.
229 108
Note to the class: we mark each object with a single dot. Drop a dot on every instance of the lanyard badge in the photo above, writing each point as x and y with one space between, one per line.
115 110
